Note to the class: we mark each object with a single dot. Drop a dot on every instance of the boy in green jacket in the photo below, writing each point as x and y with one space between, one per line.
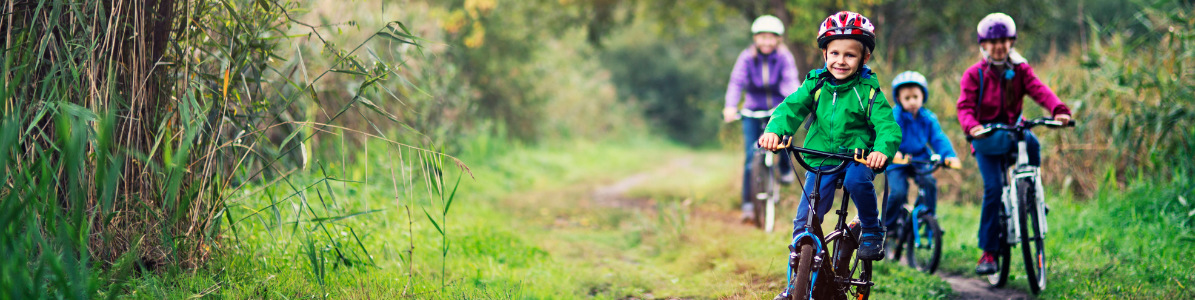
849 112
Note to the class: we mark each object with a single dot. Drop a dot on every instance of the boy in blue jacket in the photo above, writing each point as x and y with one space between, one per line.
921 132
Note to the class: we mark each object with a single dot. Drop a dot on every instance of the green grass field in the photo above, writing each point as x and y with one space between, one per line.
636 219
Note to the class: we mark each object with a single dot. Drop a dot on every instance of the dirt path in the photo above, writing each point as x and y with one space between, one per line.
614 195
971 288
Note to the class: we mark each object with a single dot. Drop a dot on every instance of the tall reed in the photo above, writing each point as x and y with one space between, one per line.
128 125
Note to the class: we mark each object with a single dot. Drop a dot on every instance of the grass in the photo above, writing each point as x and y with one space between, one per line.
527 227
533 224
1118 245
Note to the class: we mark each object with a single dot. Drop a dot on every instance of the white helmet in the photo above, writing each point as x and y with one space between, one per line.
767 23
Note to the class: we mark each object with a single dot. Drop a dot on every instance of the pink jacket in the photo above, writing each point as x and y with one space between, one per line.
993 108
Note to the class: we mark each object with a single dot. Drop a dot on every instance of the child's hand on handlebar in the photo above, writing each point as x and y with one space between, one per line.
729 114
953 163
1064 118
976 132
876 160
769 141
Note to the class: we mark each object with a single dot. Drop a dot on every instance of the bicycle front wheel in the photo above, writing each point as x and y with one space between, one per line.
925 244
803 273
1032 240
894 245
763 181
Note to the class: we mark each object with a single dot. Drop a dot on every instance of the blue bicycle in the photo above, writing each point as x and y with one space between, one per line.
918 232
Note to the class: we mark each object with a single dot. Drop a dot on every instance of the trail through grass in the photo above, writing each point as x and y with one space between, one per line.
648 220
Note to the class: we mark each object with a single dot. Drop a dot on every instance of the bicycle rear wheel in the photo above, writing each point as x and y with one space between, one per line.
1032 241
846 266
999 279
925 244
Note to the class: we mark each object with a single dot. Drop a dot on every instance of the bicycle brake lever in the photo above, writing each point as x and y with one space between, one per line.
860 156
785 142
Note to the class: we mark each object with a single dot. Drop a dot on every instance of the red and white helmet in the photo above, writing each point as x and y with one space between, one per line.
847 25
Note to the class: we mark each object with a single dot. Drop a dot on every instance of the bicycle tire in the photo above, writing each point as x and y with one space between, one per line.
845 264
760 184
803 273
1032 243
864 292
894 247
1004 255
769 216
925 256
844 251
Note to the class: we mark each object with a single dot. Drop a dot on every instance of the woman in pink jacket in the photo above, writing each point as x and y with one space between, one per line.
992 92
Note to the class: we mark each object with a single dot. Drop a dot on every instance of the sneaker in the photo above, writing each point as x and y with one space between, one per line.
788 178
748 213
987 264
871 245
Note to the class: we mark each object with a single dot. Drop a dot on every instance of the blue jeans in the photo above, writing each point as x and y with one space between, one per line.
858 183
898 190
992 168
752 129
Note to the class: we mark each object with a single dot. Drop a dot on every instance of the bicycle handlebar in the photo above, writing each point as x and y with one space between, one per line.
1024 125
858 155
936 161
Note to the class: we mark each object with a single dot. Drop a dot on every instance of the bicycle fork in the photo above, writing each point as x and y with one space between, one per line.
1022 173
807 237
772 194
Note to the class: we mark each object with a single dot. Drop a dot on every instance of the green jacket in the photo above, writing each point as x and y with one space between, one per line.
842 121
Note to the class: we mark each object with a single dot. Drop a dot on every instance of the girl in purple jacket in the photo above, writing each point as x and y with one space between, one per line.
992 92
766 73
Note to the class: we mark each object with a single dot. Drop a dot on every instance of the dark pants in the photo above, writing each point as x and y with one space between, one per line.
752 129
992 168
858 182
898 190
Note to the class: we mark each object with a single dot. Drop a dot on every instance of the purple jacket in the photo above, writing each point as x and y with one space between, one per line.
747 76
993 108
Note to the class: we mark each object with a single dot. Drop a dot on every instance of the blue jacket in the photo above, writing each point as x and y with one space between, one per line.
922 133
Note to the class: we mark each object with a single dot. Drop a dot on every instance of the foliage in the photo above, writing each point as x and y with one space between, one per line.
676 80
1147 83
130 129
